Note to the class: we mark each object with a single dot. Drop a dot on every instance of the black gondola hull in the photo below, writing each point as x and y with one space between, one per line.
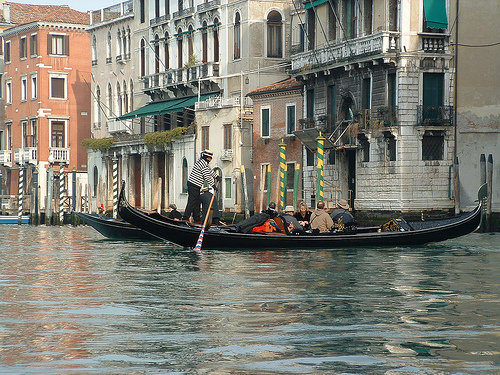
114 229
216 238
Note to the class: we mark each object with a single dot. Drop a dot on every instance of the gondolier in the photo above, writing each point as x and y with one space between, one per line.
200 174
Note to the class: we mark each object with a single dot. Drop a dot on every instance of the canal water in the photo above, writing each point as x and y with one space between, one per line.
72 302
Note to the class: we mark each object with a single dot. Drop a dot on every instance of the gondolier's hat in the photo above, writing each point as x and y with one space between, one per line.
207 154
342 203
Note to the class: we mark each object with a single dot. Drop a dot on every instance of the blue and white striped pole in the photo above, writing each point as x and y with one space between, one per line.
21 192
115 187
61 195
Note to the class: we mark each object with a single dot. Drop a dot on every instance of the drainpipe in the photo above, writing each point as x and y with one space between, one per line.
455 94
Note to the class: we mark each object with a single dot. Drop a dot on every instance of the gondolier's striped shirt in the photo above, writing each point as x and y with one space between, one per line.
201 173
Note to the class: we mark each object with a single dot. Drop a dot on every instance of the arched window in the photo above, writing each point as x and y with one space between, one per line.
97 107
127 50
118 43
184 175
108 55
96 182
204 42
166 52
125 98
119 99
179 49
237 36
131 95
274 35
216 40
190 41
143 58
110 100
124 44
157 53
94 49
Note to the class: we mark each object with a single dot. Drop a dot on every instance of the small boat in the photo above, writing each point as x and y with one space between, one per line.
11 219
183 234
114 228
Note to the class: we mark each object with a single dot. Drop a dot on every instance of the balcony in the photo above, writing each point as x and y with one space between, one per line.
219 102
435 115
208 6
6 158
226 155
434 42
117 126
182 76
349 51
25 155
183 13
376 118
60 155
113 12
159 20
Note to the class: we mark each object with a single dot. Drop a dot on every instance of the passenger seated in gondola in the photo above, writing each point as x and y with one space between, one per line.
271 210
343 221
303 215
292 225
321 222
173 213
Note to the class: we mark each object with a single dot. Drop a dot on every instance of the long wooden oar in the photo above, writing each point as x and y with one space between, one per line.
197 248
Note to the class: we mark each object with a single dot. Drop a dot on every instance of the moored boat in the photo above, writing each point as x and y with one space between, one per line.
219 238
11 219
114 228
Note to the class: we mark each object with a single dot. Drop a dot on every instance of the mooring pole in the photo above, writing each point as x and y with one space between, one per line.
21 192
268 185
490 192
35 219
457 186
50 191
61 195
320 155
296 178
245 191
283 173
115 186
482 176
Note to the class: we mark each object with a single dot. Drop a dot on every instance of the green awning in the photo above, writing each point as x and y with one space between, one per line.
435 14
166 106
315 3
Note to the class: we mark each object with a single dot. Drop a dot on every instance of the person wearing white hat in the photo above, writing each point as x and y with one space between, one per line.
200 174
291 222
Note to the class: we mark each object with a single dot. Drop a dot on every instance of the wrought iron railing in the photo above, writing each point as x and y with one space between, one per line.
435 115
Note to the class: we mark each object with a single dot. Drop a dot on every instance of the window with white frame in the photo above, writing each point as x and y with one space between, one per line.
58 133
290 118
34 86
265 121
24 127
57 88
24 88
33 141
8 92
6 51
33 45
23 48
8 135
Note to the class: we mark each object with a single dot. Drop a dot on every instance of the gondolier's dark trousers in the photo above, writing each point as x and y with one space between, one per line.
193 203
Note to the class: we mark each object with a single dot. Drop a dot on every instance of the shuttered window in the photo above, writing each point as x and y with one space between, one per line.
33 45
23 48
265 125
57 88
58 44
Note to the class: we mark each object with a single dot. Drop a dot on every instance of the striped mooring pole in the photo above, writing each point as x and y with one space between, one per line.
321 150
61 195
296 178
115 187
21 193
282 175
268 185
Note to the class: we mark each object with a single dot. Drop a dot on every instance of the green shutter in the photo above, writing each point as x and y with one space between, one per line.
265 122
314 4
435 14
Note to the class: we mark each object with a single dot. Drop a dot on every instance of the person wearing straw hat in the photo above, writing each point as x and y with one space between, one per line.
292 224
342 218
200 174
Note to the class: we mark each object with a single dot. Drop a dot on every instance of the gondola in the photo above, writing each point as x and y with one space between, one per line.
227 239
114 228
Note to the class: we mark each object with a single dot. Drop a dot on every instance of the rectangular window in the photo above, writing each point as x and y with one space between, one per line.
57 134
309 158
265 122
366 93
365 147
391 146
205 142
58 44
24 127
7 52
2 143
33 141
33 45
8 92
23 48
432 146
228 185
331 157
290 119
24 89
265 176
310 104
290 175
58 87
433 98
1 86
8 129
228 136
34 87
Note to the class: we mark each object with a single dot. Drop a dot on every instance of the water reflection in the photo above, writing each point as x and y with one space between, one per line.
71 300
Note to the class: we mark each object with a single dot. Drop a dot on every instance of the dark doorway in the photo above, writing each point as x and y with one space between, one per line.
136 168
161 174
351 175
